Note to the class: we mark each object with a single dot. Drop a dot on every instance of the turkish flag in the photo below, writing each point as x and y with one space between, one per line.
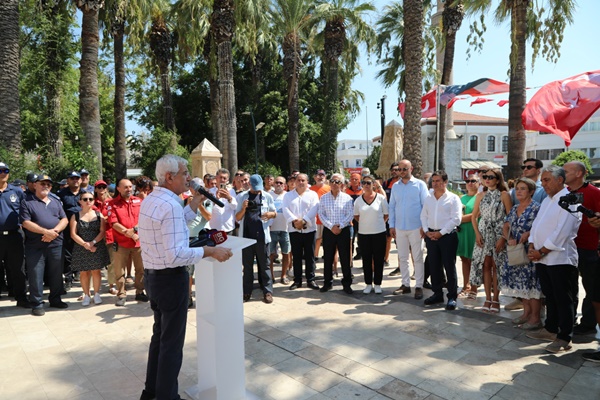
502 103
428 108
562 107
401 109
480 100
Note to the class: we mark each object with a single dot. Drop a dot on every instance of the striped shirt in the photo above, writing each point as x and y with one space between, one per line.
163 231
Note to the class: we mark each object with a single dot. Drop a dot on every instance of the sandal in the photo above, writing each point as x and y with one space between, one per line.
484 308
495 310
472 295
463 293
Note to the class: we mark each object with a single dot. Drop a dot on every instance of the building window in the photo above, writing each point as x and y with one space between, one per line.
505 144
343 146
358 162
473 143
555 153
360 146
530 154
491 144
346 163
542 154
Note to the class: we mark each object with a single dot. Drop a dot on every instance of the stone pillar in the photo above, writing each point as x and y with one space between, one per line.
206 159
391 148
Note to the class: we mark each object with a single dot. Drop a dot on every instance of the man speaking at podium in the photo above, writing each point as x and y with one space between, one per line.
164 240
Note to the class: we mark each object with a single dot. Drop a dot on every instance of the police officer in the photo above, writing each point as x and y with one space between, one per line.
85 185
70 202
11 240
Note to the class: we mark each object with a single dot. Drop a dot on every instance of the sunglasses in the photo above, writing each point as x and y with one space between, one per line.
101 187
471 181
280 183
524 167
4 171
335 182
402 169
367 182
88 199
239 174
394 169
489 177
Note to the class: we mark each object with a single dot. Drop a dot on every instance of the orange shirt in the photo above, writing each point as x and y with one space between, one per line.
320 192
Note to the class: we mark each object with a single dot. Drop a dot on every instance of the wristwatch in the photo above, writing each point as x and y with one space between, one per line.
543 253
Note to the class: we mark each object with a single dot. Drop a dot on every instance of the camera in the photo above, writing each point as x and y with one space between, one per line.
253 205
572 199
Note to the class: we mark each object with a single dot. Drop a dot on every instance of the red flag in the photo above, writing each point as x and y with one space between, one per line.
427 106
562 107
480 100
401 109
502 103
454 100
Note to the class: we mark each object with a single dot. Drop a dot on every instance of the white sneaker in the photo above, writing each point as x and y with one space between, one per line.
378 289
97 298
86 300
367 289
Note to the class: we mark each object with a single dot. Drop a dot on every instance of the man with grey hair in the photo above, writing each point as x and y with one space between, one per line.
336 211
587 243
552 248
164 239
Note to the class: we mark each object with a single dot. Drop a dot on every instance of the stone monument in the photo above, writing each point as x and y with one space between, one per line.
206 159
391 148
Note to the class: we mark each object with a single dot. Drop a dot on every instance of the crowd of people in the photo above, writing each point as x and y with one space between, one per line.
82 229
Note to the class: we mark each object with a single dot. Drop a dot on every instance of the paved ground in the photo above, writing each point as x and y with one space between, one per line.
306 345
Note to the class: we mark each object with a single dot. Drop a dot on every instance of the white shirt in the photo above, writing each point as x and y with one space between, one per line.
223 218
444 213
371 215
555 229
279 223
304 207
164 236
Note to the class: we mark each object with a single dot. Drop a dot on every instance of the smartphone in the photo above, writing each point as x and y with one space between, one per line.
223 186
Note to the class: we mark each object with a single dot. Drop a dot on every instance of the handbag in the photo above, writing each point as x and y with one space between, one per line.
516 253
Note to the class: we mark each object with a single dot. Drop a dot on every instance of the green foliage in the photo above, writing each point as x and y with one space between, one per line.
147 150
372 162
20 164
573 155
265 168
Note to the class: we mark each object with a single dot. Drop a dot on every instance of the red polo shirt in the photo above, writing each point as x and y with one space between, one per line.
103 208
125 213
587 235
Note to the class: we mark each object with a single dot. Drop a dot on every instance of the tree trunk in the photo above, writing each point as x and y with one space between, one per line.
222 28
413 56
255 68
335 35
165 86
119 104
517 96
89 102
10 115
291 68
210 57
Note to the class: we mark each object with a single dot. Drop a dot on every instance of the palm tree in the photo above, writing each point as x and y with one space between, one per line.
413 59
162 43
342 18
10 116
452 18
290 18
543 24
89 101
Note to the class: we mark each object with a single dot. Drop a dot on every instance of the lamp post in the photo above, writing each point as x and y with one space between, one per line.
382 104
255 128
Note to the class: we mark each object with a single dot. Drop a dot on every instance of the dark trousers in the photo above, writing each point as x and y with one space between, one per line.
442 256
372 249
341 243
68 245
11 253
559 285
46 260
303 248
589 269
265 280
169 301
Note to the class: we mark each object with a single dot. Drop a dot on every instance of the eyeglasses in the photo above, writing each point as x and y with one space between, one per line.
101 187
524 167
88 199
489 177
335 182
4 171
280 183
367 182
472 180
239 174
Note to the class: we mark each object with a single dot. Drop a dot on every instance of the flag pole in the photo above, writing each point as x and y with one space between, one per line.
437 129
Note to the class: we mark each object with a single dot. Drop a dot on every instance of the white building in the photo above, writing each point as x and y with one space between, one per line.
351 153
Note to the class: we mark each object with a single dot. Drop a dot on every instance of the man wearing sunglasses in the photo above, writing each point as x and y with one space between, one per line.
44 221
11 241
532 169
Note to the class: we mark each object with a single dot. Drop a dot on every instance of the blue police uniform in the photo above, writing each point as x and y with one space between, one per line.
11 242
70 203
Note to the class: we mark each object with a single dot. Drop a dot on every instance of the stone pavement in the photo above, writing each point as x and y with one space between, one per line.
306 345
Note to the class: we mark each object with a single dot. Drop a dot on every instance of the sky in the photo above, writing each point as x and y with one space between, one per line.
579 53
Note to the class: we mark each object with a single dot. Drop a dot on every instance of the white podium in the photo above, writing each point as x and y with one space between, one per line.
220 326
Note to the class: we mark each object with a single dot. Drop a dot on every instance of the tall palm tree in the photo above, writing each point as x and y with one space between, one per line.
290 19
89 100
10 116
342 18
413 59
542 23
162 43
452 17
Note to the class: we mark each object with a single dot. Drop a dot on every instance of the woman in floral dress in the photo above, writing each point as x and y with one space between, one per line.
489 253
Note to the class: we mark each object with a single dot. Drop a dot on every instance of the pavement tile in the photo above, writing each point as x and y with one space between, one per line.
452 390
349 390
341 365
583 381
398 390
370 378
520 392
321 379
315 354
295 367
292 344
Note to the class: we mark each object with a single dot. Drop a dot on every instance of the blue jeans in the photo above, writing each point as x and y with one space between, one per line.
169 296
38 261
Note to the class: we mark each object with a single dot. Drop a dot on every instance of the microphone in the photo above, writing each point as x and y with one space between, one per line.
209 238
217 236
206 194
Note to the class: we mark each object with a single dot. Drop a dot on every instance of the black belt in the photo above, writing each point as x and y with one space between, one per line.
433 230
6 233
166 271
